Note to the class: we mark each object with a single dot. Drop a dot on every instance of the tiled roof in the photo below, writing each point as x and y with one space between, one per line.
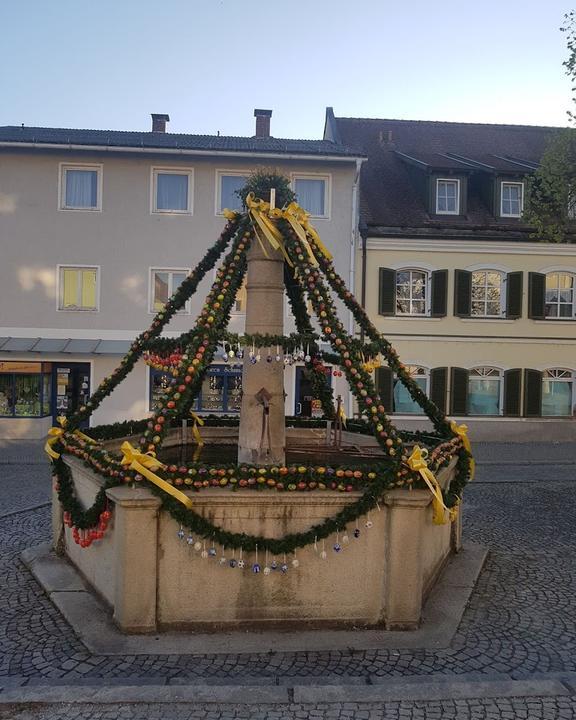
170 141
401 151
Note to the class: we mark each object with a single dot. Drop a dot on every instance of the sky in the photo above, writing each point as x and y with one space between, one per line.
108 64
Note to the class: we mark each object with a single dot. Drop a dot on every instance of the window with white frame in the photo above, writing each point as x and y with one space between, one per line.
488 297
403 402
80 187
241 297
78 288
412 292
229 184
172 191
512 199
485 391
557 392
312 193
163 284
559 297
447 197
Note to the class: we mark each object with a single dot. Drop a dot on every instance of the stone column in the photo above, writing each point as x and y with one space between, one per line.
264 314
136 567
403 575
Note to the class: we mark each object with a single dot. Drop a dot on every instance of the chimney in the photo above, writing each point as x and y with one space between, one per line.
159 122
262 123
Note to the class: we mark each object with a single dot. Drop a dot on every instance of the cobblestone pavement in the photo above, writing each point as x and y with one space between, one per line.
498 709
521 619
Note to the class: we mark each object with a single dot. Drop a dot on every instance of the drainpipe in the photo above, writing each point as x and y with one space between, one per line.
363 235
352 274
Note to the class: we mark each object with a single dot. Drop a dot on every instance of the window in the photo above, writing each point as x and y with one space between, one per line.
228 185
240 302
78 288
484 391
512 199
447 197
25 389
557 392
559 295
172 191
312 194
163 284
403 402
80 187
412 292
221 390
487 293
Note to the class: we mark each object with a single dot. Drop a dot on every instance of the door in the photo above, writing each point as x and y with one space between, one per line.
305 404
70 388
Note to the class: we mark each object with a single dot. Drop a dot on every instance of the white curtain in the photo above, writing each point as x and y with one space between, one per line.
310 194
171 192
556 398
81 188
484 396
228 186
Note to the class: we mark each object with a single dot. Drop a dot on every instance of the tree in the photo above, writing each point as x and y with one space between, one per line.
551 204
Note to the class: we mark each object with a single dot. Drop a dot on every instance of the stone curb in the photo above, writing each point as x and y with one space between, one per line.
92 622
390 691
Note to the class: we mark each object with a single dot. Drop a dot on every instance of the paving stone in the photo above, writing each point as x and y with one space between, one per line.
521 619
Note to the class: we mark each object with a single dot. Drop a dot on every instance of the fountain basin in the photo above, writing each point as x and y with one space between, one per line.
152 580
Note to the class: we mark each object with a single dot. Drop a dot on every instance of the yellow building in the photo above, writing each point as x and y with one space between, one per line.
448 271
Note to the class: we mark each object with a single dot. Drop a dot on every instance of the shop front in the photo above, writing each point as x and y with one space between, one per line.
33 394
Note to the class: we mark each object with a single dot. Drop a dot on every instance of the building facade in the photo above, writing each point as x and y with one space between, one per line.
482 313
98 228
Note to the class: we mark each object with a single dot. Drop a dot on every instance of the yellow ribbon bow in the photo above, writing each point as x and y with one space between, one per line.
195 429
145 464
417 462
229 214
56 433
299 219
342 415
264 226
462 432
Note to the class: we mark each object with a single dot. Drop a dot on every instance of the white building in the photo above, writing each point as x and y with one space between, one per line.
98 227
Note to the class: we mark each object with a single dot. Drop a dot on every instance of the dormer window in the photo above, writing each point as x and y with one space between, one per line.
447 197
511 199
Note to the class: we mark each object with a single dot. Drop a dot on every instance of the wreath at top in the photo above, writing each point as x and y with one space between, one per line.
309 273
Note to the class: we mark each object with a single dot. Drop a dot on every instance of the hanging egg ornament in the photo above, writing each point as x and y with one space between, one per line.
204 554
369 524
190 540
295 563
233 563
212 552
180 534
231 354
239 354
337 547
284 568
266 570
274 565
307 358
253 360
241 564
269 358
255 568
223 560
197 546
345 539
357 533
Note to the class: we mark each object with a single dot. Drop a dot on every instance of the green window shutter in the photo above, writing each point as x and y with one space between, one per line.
438 387
384 381
514 281
532 393
439 293
462 293
459 391
387 292
512 396
536 295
